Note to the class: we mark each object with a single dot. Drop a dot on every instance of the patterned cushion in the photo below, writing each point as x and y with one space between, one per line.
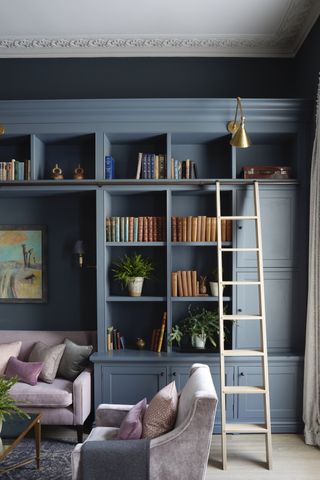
8 350
131 425
50 356
161 414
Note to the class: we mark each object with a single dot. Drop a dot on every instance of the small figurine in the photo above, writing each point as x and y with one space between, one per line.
202 287
57 173
140 343
78 173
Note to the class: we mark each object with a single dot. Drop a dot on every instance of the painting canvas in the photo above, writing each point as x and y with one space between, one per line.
23 264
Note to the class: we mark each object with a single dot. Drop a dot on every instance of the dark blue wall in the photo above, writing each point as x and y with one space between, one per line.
307 64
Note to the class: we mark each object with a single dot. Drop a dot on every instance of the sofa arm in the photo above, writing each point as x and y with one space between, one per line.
111 415
82 397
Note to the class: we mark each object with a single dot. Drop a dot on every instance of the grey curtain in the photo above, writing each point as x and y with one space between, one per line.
311 393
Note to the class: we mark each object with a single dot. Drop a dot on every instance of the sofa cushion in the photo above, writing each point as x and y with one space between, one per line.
56 394
27 372
50 356
131 425
74 359
161 412
8 350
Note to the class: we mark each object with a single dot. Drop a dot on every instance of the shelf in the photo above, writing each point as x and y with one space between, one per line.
198 244
135 244
208 298
120 298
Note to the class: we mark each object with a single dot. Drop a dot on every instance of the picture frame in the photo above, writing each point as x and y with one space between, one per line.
23 264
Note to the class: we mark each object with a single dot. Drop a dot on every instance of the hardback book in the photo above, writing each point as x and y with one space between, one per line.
194 283
113 235
109 167
184 229
145 229
122 229
130 229
194 170
189 229
174 229
135 229
213 229
126 229
156 167
223 230
194 229
229 231
199 228
162 330
208 229
162 166
139 165
184 283
203 228
174 284
179 282
144 166
180 229
189 283
117 238
140 229
152 166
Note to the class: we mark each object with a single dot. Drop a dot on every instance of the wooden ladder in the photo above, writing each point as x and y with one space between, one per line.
264 428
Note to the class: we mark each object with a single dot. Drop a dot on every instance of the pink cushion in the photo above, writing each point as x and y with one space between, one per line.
27 372
56 394
161 413
131 425
8 350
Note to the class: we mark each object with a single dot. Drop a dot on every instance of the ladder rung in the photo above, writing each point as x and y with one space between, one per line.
241 282
239 217
243 353
243 389
245 428
227 249
241 317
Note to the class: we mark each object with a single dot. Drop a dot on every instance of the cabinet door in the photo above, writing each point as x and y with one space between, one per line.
285 396
128 385
278 228
279 312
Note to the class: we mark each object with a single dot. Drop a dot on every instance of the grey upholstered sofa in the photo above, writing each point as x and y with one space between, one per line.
183 452
63 402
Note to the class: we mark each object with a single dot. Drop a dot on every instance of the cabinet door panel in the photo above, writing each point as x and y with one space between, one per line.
285 394
277 224
122 384
279 311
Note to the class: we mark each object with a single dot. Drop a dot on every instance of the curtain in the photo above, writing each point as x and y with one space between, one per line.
311 393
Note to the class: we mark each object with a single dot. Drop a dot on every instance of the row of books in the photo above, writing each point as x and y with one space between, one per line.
183 169
185 284
199 229
15 170
151 166
157 336
115 341
135 229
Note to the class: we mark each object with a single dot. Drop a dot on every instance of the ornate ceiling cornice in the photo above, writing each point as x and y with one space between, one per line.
295 25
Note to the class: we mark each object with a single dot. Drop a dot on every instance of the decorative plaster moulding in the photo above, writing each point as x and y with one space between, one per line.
285 42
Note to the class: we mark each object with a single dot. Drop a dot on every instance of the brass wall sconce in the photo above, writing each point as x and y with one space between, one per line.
240 138
78 250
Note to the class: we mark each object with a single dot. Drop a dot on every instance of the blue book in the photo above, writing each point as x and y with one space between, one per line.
152 161
117 229
109 167
144 166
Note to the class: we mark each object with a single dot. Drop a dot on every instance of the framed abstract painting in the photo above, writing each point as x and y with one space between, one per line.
23 264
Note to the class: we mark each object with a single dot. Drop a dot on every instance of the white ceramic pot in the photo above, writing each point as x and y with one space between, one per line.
214 289
199 341
135 286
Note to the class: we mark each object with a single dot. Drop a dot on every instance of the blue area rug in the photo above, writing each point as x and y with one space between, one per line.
55 461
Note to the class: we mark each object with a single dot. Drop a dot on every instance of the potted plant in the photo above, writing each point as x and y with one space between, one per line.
214 284
7 403
200 325
131 271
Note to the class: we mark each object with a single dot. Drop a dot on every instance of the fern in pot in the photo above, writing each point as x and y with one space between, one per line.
7 403
131 271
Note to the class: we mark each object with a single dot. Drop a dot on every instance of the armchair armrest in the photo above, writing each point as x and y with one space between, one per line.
82 397
111 415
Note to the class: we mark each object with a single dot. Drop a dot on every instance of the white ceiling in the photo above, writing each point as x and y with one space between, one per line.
73 28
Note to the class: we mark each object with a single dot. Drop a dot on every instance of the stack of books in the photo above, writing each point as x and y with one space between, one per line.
183 169
199 229
115 341
157 338
151 166
135 229
15 170
185 284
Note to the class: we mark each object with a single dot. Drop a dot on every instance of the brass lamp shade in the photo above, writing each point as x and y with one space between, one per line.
241 139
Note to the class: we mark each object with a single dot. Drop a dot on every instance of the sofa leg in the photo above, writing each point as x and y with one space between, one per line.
80 433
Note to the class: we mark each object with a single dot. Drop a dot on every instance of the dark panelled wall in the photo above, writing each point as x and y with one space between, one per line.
129 78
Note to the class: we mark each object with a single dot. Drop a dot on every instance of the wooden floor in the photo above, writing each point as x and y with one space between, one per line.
292 459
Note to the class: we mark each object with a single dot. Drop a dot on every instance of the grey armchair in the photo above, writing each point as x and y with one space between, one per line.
184 451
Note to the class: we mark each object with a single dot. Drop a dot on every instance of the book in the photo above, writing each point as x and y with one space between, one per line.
180 229
156 167
144 171
199 228
189 229
162 330
229 231
135 229
126 229
179 282
122 226
153 336
189 283
174 284
208 229
184 283
140 229
145 229
194 283
223 230
130 239
203 228
174 229
194 229
213 229
139 165
117 237
109 167
184 229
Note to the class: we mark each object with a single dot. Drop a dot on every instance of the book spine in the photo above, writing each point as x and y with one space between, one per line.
184 229
174 284
162 330
126 229
174 229
213 229
113 234
144 166
194 170
199 227
194 229
109 167
152 165
140 229
208 229
203 228
183 169
156 339
179 229
194 283
122 342
130 229
176 169
139 165
135 229
145 229
189 229
223 230
117 229
154 229
188 176
179 282
153 336
172 169
229 231
189 283
114 339
156 167
184 283
122 229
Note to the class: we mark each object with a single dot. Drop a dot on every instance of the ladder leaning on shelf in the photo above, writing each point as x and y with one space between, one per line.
264 428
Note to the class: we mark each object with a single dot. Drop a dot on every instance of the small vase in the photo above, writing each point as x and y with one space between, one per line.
135 286
214 288
199 341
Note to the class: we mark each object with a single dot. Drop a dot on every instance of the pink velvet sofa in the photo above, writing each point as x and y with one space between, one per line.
63 402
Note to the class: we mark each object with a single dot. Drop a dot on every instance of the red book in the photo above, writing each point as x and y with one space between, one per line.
130 229
140 229
145 229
